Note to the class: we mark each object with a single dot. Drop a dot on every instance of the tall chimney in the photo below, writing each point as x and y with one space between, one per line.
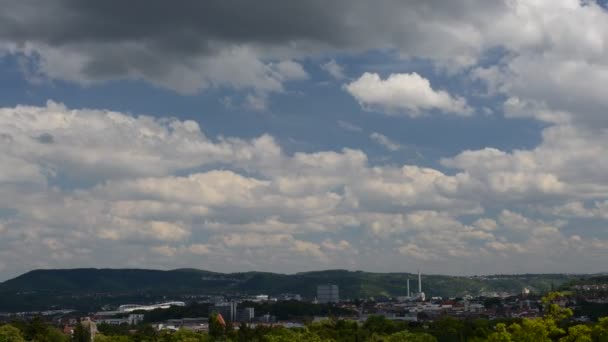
408 287
419 282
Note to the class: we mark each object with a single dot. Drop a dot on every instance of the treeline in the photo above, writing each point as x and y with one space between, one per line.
176 312
283 310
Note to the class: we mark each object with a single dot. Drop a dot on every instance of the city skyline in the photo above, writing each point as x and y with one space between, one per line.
459 138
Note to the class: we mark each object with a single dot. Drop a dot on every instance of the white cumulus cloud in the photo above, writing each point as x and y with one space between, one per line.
404 94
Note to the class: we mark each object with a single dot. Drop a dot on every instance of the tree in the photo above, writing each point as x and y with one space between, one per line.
184 335
245 333
81 334
501 334
544 329
293 335
145 333
578 333
52 335
9 333
40 331
448 329
103 338
380 325
600 330
405 336
531 330
217 327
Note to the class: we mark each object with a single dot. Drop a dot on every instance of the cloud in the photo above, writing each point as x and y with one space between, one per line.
485 224
334 69
349 126
164 250
256 102
545 57
578 209
403 94
384 141
341 245
290 70
159 188
570 58
567 161
150 38
97 187
517 108
412 250
199 249
195 45
535 54
98 144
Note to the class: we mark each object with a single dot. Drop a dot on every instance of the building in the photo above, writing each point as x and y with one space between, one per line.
132 319
420 294
328 293
137 307
289 296
246 315
227 310
191 323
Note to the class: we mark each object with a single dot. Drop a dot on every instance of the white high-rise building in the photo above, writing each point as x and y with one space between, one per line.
328 293
246 314
226 309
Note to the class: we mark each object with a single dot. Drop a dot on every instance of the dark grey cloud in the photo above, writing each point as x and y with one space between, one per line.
146 38
178 25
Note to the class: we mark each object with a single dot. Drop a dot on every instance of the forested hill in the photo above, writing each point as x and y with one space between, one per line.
352 284
138 282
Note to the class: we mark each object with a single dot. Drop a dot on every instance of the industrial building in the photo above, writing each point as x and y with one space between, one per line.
137 307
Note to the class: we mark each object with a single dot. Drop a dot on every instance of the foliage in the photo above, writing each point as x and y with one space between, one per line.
81 334
113 329
115 338
217 328
600 330
590 309
293 335
403 336
9 333
449 329
544 329
38 330
175 312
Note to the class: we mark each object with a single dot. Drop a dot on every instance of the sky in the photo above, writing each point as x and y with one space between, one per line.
459 137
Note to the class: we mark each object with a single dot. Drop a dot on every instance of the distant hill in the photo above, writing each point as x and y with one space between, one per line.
41 289
105 280
597 279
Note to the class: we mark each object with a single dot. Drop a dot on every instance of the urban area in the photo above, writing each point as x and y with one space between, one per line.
327 316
